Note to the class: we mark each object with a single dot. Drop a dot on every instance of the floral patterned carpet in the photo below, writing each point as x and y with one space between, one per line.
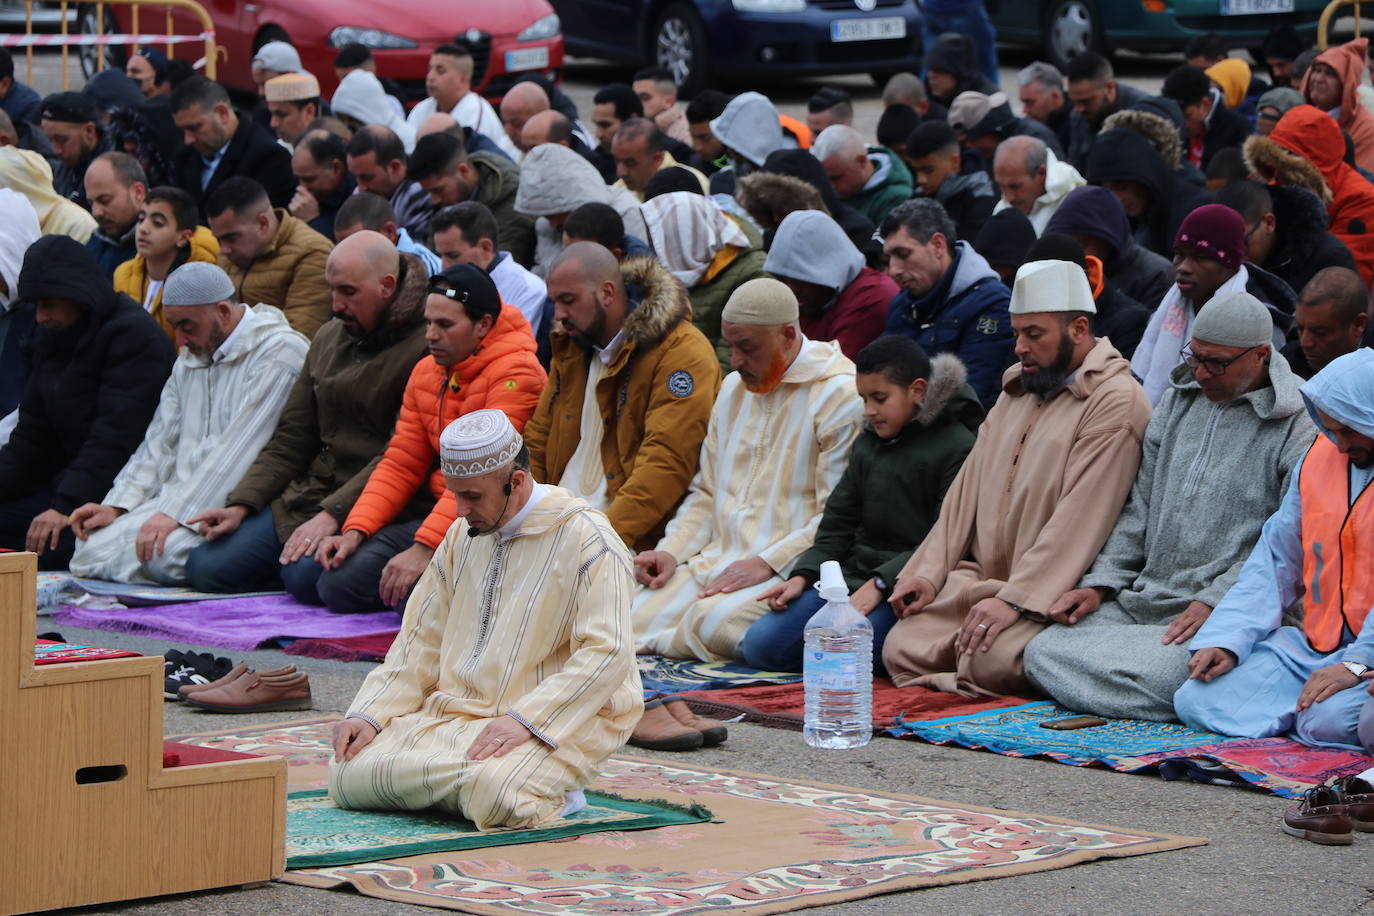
774 846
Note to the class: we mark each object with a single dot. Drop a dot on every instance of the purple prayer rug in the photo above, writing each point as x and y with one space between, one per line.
229 623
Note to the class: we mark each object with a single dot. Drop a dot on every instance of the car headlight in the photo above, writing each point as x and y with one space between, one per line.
547 27
372 38
769 6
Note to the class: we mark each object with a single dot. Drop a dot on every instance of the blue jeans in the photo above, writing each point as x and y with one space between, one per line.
972 21
775 641
247 560
356 586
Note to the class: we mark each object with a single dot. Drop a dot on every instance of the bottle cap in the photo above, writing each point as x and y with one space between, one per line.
831 584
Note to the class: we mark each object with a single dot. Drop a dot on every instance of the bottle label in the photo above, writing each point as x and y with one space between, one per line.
832 670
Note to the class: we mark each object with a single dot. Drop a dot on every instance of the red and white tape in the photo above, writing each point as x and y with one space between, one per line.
56 41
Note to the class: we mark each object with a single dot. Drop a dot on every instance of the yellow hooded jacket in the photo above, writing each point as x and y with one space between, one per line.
131 277
29 173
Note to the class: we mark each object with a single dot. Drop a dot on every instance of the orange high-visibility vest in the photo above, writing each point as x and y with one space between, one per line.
797 129
1337 547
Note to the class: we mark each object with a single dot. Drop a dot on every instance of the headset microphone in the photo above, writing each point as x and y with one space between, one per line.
474 531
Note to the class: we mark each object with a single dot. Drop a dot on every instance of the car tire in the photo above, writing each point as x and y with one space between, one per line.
1071 27
678 42
89 55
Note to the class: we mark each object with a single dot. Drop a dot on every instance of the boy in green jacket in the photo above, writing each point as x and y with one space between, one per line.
923 419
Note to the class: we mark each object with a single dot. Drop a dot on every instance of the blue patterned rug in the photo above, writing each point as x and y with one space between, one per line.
1016 732
663 676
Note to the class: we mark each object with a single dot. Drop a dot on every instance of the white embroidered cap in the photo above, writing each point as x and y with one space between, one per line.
478 443
1051 286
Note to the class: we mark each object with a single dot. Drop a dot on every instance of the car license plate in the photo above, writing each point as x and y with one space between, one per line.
870 29
1255 7
527 59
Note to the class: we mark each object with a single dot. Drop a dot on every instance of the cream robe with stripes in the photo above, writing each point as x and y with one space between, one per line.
532 623
213 417
768 464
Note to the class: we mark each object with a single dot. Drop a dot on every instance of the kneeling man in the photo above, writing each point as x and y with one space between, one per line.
216 412
1253 677
1219 450
777 444
1033 503
513 677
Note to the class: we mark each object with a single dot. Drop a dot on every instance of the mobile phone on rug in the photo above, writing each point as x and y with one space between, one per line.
1064 725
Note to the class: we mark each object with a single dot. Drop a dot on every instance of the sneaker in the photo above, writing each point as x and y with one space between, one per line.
1321 817
190 668
1358 797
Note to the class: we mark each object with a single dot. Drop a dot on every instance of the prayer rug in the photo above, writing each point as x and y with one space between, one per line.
47 652
139 595
319 834
229 623
775 846
1281 766
371 647
676 675
784 706
53 588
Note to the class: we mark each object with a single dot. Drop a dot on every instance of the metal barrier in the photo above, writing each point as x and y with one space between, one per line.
1324 23
65 40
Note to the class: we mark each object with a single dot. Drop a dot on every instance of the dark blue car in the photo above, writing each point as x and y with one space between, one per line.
703 40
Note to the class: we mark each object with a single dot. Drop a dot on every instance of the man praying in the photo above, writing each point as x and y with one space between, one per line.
513 678
1033 503
226 392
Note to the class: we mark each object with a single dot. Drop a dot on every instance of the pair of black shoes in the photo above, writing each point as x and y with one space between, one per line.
183 668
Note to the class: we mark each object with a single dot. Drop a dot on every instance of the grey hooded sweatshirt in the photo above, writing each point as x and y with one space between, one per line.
1210 475
555 180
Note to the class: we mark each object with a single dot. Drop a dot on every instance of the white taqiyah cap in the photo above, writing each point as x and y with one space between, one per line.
1051 286
478 443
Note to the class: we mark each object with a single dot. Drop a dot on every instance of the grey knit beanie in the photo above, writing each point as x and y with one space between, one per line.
197 283
1234 320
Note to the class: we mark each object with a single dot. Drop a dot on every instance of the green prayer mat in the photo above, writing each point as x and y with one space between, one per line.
319 834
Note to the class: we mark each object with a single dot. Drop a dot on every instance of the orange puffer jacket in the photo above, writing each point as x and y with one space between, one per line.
503 374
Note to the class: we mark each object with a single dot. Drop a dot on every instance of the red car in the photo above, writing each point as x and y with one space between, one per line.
508 38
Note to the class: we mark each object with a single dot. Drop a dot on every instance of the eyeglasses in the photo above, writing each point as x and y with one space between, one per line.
1213 366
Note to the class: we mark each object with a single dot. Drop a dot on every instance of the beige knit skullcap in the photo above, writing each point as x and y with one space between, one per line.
762 301
291 87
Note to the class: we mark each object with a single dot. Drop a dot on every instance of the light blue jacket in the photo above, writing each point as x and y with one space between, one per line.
1272 578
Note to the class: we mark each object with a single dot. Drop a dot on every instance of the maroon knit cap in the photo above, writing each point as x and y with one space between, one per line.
1215 231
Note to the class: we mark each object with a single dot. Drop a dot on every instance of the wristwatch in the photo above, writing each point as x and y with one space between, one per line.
882 586
1356 668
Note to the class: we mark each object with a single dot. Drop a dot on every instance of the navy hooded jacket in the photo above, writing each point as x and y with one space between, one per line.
93 387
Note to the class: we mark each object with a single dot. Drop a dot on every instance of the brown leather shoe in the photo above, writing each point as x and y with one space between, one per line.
237 672
658 730
1320 817
1358 796
713 731
256 692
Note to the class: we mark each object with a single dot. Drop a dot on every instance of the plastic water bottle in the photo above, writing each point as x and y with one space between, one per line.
837 668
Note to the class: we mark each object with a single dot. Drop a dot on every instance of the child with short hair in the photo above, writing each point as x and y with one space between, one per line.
166 237
922 421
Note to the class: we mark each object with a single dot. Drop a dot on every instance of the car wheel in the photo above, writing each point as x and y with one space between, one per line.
1071 27
678 43
88 23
